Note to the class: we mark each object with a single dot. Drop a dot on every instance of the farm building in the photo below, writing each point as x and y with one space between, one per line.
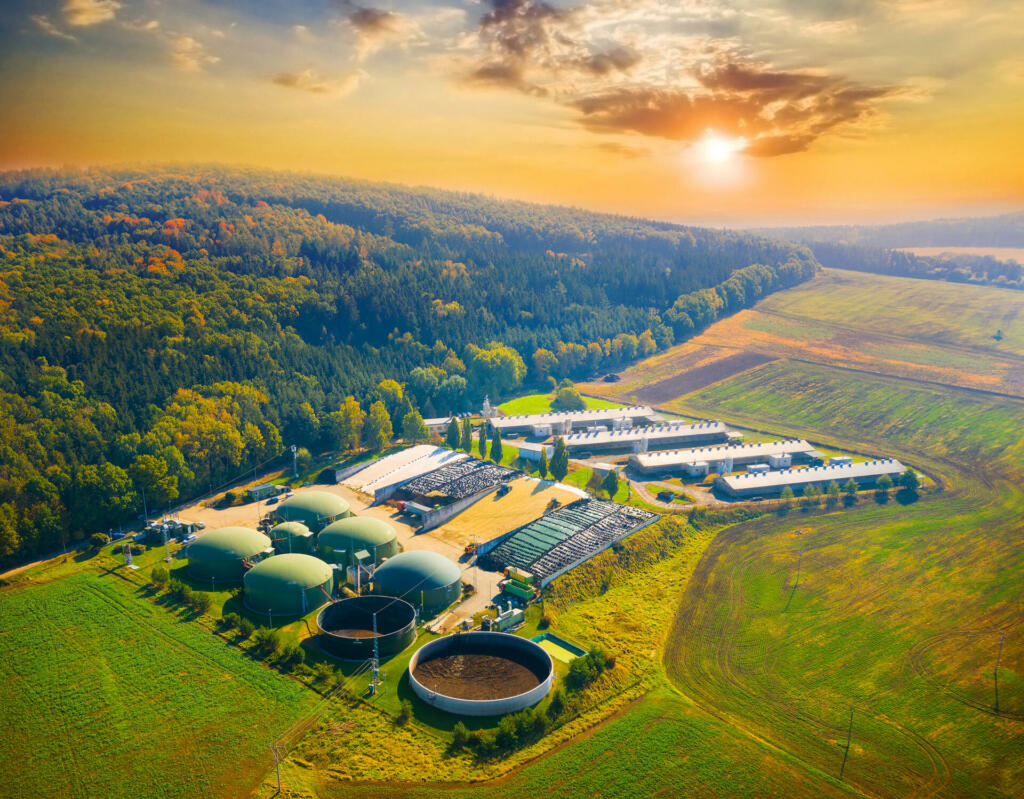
398 467
293 537
731 455
772 483
339 541
531 452
315 509
221 555
439 495
563 539
641 439
563 422
422 578
288 585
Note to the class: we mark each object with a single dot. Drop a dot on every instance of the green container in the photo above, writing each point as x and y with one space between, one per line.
288 585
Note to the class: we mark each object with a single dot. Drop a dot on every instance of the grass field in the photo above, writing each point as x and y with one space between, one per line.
106 695
541 403
923 330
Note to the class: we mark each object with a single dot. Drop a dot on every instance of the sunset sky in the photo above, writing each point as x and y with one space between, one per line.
727 112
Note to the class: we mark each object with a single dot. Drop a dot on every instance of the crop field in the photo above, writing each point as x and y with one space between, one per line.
923 330
787 625
541 403
104 694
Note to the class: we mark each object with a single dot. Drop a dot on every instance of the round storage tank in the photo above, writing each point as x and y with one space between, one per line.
346 627
481 674
425 579
315 509
292 537
220 555
288 585
339 541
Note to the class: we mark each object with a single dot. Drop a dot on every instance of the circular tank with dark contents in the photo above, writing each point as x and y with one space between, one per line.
481 673
346 627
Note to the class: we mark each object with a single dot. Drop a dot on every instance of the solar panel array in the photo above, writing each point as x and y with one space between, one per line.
458 480
566 536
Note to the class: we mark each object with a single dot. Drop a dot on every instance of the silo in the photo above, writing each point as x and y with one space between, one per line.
221 555
425 579
315 509
339 541
292 538
288 585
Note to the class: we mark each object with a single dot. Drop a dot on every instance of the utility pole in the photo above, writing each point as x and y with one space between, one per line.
995 673
167 549
376 657
145 511
277 762
295 460
846 752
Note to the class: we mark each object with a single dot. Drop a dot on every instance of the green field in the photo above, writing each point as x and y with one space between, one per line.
107 694
541 403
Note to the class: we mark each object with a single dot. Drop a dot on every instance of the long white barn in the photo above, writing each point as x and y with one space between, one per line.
641 439
771 483
729 454
563 422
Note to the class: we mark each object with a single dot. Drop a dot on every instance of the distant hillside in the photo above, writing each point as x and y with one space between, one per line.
165 329
867 248
990 231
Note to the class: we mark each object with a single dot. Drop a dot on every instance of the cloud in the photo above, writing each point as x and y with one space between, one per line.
620 149
141 25
188 55
45 24
89 12
308 80
660 69
375 28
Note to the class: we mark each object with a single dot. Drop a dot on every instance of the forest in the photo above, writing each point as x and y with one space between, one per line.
165 330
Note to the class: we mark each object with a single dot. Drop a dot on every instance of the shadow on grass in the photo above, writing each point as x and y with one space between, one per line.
906 496
86 554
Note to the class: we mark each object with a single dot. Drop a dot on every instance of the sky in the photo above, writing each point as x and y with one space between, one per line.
721 112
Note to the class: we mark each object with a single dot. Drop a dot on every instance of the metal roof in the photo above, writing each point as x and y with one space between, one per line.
279 570
363 531
812 474
575 417
416 570
228 543
652 434
316 504
679 457
293 529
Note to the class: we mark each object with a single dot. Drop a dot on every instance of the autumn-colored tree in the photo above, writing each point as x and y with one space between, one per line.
377 431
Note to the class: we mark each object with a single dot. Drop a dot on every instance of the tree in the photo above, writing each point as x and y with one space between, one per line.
413 428
543 467
909 480
460 735
304 458
346 425
481 441
496 446
99 540
150 475
245 628
466 442
812 495
832 494
611 483
378 431
10 541
452 437
850 489
201 602
496 370
883 484
787 497
391 393
544 363
559 464
159 576
569 398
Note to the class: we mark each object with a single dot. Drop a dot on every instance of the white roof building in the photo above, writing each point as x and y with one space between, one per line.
640 439
749 485
565 421
738 454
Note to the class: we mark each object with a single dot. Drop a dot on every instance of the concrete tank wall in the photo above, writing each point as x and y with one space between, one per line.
490 643
396 625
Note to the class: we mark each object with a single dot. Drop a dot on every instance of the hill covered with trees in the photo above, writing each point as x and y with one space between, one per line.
165 329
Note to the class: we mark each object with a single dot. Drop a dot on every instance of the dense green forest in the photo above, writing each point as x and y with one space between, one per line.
165 330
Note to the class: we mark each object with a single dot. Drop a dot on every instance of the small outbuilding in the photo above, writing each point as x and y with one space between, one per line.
222 555
288 585
339 541
425 579
315 509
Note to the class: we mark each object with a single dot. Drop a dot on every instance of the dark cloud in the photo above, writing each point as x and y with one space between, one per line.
620 59
776 112
374 21
520 27
504 75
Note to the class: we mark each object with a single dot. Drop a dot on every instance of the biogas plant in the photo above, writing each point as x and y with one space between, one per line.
372 574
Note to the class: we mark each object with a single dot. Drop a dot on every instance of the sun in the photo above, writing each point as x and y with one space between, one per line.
716 149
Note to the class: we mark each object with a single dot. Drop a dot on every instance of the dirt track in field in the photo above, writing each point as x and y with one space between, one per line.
696 379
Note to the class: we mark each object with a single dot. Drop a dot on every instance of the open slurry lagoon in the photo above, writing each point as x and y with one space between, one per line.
476 676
